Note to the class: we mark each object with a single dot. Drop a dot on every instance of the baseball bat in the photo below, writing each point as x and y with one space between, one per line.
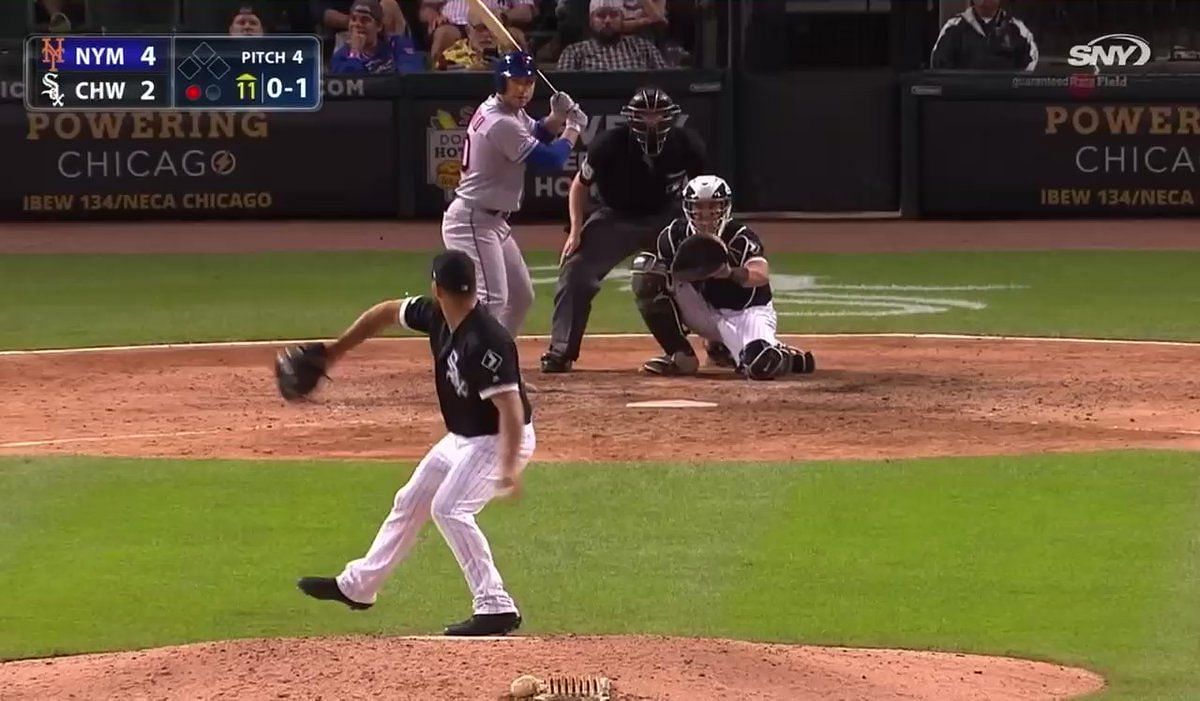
493 23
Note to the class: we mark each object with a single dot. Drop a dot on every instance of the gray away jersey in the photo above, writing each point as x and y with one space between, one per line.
493 165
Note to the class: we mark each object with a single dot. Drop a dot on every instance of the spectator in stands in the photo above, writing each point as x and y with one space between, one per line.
985 37
476 52
644 15
609 49
57 11
446 21
334 16
370 49
246 23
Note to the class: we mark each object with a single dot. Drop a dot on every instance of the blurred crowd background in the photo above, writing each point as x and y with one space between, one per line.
383 36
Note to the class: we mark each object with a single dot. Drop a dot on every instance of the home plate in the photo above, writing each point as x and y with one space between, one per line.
671 404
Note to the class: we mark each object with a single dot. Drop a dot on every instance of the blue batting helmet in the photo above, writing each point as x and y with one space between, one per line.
515 64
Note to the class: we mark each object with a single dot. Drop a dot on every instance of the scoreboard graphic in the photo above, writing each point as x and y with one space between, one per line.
186 72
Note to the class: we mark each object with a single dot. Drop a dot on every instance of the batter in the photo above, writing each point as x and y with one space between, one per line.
501 140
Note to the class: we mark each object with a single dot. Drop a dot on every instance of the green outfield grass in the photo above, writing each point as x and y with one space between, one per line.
64 301
1085 559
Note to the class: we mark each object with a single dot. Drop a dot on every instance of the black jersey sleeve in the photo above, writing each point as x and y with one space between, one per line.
418 314
745 246
595 163
493 368
668 243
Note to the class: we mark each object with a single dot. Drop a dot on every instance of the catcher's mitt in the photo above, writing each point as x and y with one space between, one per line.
299 369
699 257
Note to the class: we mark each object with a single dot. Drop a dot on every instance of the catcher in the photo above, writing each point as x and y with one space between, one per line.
709 274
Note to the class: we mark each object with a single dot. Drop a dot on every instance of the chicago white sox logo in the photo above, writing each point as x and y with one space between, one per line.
452 376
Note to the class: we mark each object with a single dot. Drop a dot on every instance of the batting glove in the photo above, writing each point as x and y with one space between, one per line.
577 119
561 104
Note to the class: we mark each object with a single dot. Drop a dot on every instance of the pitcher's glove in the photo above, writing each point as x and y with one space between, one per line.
299 369
699 257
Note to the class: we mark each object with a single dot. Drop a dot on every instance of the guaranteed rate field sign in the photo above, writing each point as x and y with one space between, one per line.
101 73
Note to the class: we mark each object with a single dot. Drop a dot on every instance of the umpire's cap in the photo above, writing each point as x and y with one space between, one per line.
454 272
514 64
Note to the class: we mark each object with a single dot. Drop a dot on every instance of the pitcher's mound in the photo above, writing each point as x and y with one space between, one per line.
437 669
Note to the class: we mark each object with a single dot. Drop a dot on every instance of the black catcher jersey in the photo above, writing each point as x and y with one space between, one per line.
743 245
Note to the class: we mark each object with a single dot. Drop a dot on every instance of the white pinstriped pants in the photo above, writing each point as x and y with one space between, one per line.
453 482
733 327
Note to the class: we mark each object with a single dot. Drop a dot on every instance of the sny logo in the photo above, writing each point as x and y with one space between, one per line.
53 52
52 91
1112 50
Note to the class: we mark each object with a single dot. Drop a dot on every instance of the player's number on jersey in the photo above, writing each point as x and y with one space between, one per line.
148 56
466 159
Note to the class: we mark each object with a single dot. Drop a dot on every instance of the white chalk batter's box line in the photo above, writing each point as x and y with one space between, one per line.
540 337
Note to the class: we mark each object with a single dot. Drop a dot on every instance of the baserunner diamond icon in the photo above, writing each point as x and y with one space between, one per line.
189 68
218 68
204 53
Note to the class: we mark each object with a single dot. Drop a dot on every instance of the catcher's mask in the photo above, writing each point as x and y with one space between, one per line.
651 115
708 204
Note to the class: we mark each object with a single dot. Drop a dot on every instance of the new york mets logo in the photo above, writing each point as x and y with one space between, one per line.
53 52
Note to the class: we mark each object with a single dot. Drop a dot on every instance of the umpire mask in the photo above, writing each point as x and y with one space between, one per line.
651 115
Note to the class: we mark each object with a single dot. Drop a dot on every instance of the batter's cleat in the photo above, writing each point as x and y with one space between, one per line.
719 356
555 364
327 589
486 624
674 365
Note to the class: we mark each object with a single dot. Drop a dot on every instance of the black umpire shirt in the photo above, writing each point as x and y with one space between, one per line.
473 363
743 246
632 183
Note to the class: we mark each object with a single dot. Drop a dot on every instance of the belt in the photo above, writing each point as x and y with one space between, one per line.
490 212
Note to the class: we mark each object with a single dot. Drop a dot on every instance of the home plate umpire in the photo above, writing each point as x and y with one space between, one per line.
638 170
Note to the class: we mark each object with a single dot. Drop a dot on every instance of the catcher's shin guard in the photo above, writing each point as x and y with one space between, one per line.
651 290
765 361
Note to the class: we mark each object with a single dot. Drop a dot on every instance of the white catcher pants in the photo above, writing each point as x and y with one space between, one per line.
454 481
733 327
501 276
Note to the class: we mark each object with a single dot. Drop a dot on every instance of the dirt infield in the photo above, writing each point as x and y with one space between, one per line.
442 670
872 398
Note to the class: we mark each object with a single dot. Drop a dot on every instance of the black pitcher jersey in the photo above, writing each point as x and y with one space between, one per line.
473 363
743 246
